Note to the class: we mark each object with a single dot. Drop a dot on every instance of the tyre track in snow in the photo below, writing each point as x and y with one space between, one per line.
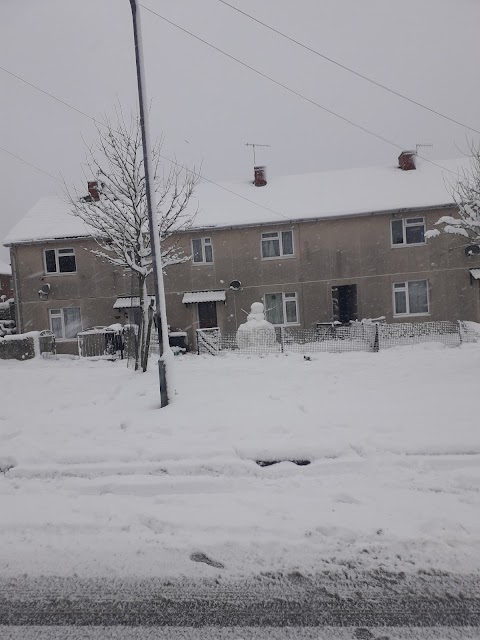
348 599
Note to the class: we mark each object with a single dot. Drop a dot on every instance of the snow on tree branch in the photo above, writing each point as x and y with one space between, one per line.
465 190
115 211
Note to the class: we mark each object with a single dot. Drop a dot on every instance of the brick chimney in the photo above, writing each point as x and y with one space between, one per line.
406 160
93 190
260 179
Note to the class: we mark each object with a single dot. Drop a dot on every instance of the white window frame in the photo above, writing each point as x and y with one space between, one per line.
408 222
291 295
61 315
57 272
406 283
205 241
279 238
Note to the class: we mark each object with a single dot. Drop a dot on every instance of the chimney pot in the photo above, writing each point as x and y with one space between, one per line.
406 160
260 179
93 190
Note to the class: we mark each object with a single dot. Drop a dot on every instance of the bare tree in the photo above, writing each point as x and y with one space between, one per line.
465 190
116 215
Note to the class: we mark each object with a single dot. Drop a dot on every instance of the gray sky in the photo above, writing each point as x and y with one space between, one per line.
208 107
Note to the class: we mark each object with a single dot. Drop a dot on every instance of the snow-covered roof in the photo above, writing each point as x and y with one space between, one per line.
341 193
5 269
49 219
320 195
203 296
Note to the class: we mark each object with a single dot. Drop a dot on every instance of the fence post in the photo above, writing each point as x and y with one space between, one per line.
459 323
282 338
376 342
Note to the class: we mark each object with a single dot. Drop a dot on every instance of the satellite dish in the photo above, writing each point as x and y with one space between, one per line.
235 285
45 289
472 250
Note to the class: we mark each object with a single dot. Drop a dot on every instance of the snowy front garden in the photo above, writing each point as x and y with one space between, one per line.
97 480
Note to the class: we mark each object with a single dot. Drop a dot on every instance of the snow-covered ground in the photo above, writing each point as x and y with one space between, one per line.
106 483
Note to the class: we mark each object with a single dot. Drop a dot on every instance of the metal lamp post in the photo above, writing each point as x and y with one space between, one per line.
160 313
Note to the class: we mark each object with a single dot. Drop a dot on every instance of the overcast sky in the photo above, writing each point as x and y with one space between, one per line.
208 106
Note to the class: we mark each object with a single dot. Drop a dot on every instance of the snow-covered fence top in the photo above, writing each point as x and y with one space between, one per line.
26 346
332 337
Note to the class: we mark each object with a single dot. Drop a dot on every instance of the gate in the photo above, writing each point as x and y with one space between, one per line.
208 341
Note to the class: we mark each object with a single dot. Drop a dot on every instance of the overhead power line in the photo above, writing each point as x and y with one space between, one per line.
244 64
289 89
378 84
102 124
30 164
277 82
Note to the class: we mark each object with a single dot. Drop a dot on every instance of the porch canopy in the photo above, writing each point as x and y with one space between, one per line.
130 302
203 296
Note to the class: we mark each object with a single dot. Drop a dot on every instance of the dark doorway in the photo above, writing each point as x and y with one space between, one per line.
344 302
207 315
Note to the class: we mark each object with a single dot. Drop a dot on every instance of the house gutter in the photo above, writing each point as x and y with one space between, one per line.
339 216
14 243
16 291
213 227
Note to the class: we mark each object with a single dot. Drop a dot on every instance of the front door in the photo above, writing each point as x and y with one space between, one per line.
344 301
207 315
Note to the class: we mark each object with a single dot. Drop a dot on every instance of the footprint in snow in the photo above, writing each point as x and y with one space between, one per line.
198 556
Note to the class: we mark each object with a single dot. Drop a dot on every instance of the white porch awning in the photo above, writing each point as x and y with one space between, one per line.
130 302
203 296
475 273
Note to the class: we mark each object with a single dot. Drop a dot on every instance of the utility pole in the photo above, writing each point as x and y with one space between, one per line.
166 355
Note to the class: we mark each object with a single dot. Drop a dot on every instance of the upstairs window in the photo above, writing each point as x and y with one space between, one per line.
65 323
281 308
277 244
408 231
410 298
202 251
60 261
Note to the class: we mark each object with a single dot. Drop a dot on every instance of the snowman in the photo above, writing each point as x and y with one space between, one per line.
256 335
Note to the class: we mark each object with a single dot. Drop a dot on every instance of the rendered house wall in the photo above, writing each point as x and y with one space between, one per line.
327 253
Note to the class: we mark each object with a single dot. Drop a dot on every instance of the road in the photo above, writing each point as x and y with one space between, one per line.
325 606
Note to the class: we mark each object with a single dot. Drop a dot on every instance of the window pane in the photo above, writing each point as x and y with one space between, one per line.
50 261
417 296
71 251
400 302
287 243
197 250
270 248
291 310
66 264
208 253
274 308
415 234
56 327
397 232
73 322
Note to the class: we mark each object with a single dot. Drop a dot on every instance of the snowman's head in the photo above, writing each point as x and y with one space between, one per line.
257 307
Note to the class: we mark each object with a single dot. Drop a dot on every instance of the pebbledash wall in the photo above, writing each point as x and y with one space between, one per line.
352 251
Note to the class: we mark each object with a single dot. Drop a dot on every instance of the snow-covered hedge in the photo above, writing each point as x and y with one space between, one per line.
26 346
